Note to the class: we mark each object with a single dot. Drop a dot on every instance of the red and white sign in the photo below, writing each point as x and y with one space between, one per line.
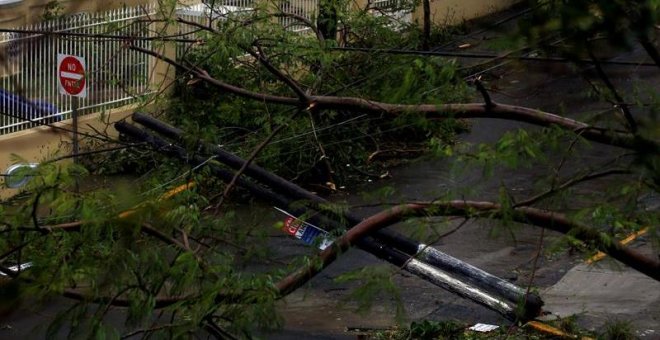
71 79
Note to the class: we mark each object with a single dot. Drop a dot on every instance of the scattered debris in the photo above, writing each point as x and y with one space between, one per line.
18 268
483 327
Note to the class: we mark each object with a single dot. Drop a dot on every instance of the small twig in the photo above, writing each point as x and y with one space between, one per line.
245 165
304 20
379 152
13 250
569 183
261 57
484 93
35 206
620 102
651 50
93 152
159 302
214 329
564 158
539 249
146 330
324 156
457 228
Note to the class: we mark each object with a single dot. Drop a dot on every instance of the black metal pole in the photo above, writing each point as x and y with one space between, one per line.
368 244
74 118
411 247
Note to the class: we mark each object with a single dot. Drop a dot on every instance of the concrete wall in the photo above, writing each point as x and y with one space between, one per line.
452 12
41 143
37 144
15 13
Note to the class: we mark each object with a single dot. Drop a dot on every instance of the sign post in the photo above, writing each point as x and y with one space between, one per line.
72 81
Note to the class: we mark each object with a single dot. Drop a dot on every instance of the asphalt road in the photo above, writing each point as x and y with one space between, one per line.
596 294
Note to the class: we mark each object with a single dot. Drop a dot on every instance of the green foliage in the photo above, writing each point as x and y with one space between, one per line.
52 10
617 330
376 281
137 248
315 146
435 330
133 248
580 21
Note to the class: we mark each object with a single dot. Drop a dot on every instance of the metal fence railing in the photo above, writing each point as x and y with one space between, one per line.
115 75
398 11
207 14
305 8
211 11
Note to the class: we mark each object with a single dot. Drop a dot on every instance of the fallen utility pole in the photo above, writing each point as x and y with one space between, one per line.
400 242
376 247
369 244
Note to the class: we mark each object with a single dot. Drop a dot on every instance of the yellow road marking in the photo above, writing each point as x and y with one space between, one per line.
177 190
600 255
545 328
169 194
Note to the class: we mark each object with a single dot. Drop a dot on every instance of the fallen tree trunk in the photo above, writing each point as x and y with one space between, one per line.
439 111
538 217
551 220
541 218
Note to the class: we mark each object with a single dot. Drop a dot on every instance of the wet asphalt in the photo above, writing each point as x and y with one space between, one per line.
597 294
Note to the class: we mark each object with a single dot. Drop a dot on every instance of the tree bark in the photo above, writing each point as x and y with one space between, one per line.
438 111
426 33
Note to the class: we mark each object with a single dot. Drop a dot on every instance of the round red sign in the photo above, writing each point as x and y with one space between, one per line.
71 74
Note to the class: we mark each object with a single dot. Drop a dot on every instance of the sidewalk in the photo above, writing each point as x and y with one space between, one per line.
605 292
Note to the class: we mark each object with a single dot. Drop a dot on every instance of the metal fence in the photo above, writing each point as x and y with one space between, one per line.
398 11
210 11
207 14
304 8
115 75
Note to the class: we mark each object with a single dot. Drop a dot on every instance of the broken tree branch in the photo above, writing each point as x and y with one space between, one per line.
651 50
569 183
484 93
374 223
546 219
619 100
368 243
437 111
261 57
